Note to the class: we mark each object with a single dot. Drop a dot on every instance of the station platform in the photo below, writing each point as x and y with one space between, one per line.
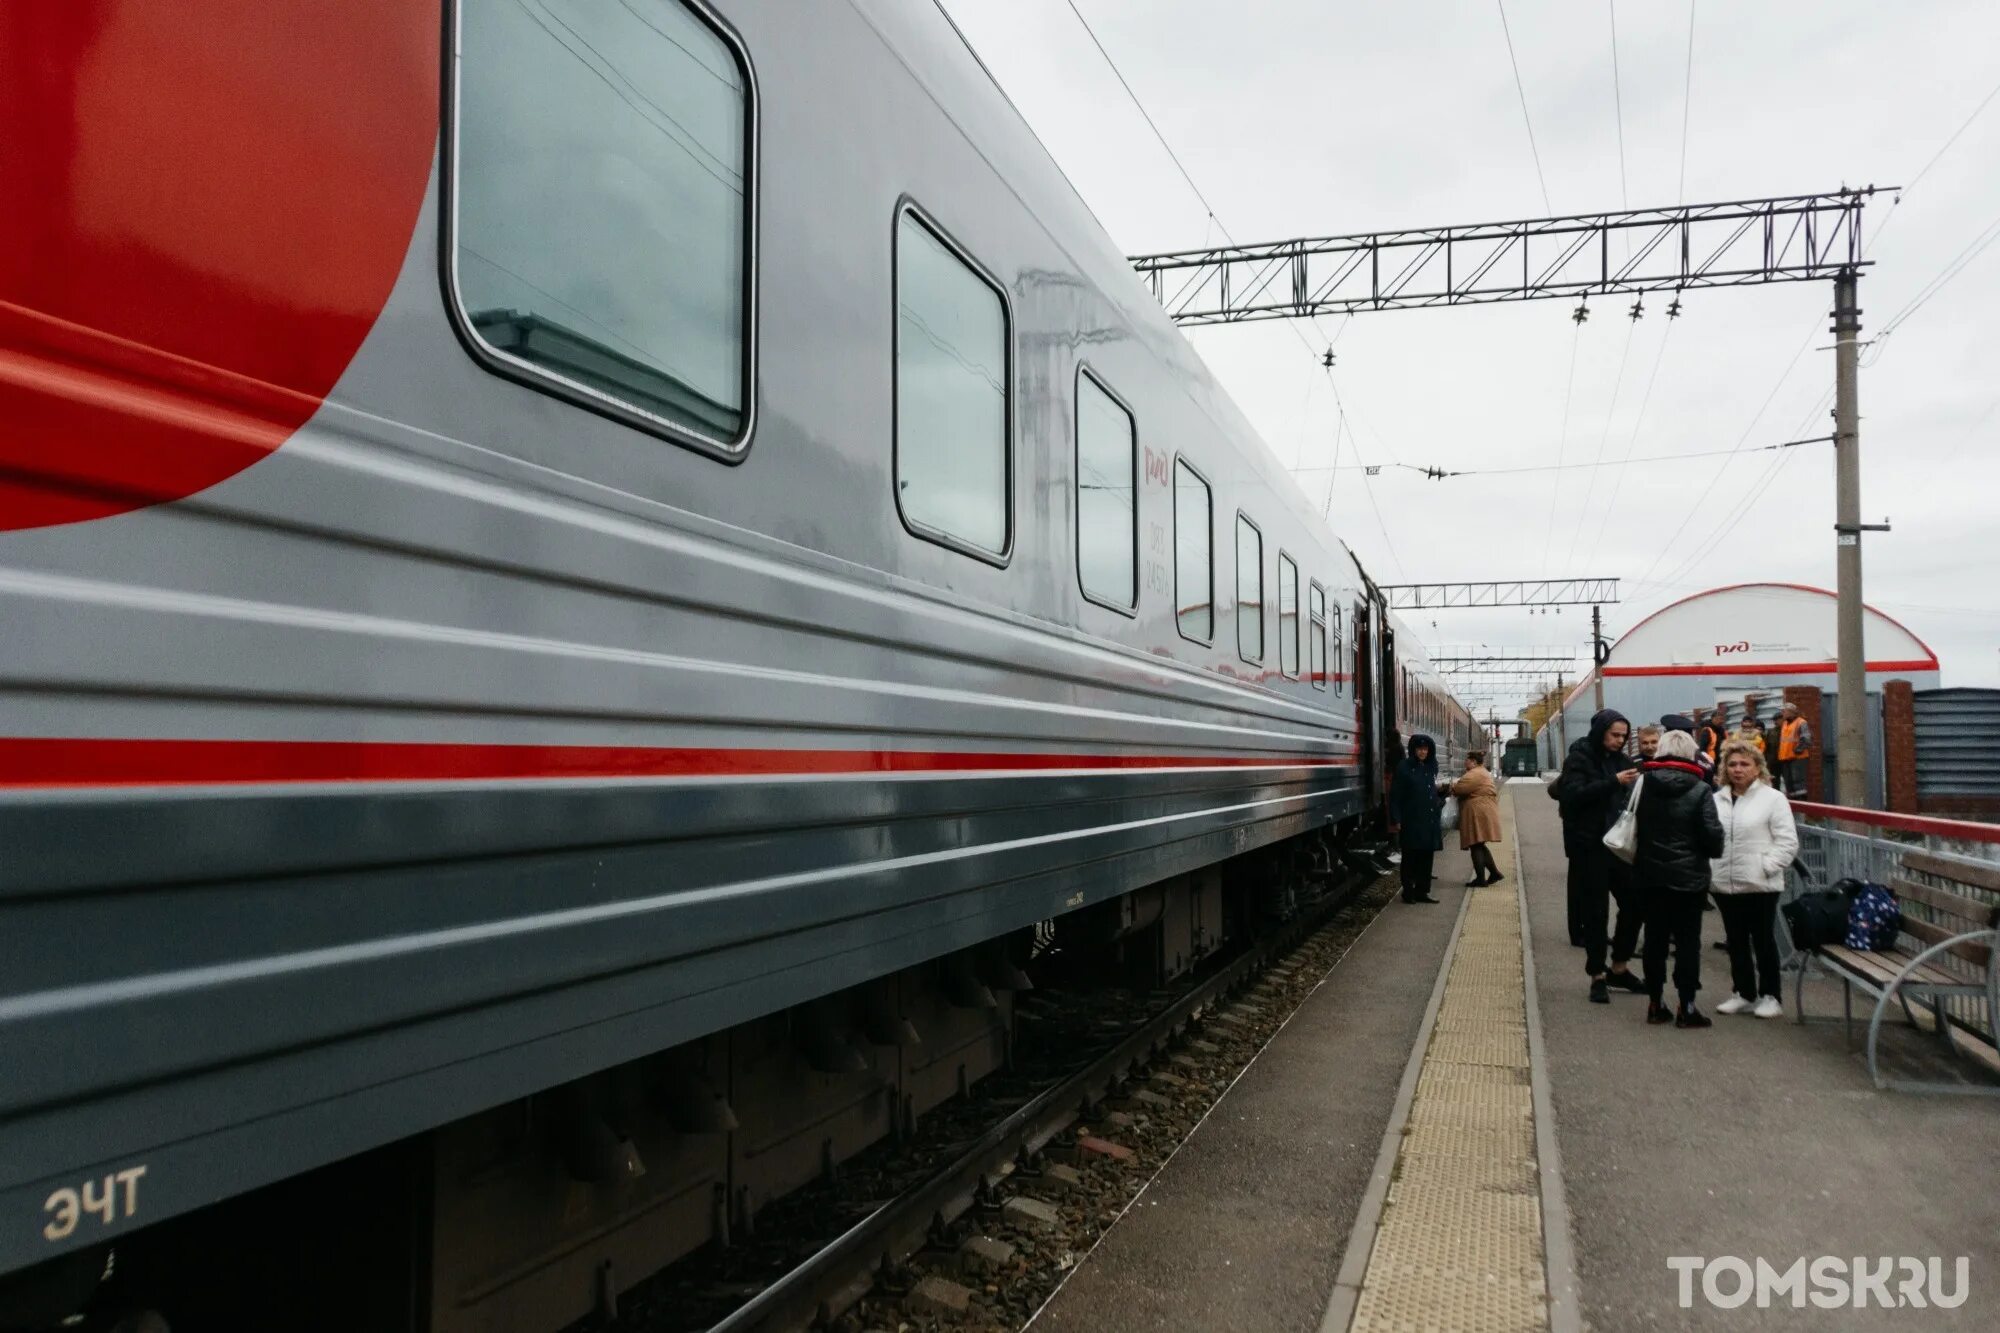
1447 1135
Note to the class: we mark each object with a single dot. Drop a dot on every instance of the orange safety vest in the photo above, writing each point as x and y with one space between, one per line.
1788 741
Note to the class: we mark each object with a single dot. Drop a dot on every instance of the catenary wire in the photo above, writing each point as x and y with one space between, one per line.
1687 104
1562 447
1521 91
1603 438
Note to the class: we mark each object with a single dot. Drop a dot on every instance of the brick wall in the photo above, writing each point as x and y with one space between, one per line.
1811 705
1899 747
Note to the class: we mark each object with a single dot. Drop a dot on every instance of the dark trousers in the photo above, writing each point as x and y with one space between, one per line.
1673 918
1608 881
1792 776
1751 922
1579 891
1417 872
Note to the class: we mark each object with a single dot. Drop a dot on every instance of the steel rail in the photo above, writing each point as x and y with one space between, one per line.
825 1286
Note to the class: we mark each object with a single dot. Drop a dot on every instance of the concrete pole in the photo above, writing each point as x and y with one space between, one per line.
1852 705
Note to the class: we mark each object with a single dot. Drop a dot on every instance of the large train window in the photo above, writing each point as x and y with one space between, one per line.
1316 636
952 482
1288 616
582 135
1194 563
1249 590
1107 488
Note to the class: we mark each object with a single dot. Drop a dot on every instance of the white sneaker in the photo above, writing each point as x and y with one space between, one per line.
1735 1004
1770 1006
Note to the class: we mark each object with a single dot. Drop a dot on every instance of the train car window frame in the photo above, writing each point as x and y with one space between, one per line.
732 448
1244 521
1316 643
1208 553
1085 373
1335 656
1285 562
908 208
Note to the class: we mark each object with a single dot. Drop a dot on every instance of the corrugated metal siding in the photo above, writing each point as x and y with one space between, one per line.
1958 742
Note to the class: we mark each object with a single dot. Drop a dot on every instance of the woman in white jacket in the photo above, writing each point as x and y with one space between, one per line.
1759 842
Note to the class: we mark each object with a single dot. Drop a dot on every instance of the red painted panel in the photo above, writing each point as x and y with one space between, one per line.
30 761
207 202
1941 828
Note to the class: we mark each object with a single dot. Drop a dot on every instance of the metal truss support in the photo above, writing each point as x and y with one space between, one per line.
1513 592
1504 662
1742 243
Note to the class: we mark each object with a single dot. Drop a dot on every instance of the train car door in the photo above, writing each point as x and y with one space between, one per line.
1392 713
1368 752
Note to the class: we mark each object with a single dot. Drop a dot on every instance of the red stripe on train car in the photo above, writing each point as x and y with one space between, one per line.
84 762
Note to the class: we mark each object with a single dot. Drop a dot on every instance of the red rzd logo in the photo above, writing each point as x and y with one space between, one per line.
1740 646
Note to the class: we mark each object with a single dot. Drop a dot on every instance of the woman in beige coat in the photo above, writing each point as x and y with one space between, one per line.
1478 818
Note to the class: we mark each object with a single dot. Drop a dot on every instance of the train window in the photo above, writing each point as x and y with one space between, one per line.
1249 590
582 134
1316 636
1194 564
1288 616
951 393
1107 484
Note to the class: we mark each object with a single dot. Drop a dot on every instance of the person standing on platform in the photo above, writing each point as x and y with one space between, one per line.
1711 736
1595 781
1759 840
1751 733
1795 747
1649 741
1414 816
1680 835
1478 819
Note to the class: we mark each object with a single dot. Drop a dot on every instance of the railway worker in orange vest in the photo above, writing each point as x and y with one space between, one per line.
1795 744
1709 737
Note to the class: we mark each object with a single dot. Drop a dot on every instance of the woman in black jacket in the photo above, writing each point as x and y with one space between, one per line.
1596 778
1415 813
1679 834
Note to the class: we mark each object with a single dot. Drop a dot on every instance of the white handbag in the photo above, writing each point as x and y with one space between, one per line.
1623 839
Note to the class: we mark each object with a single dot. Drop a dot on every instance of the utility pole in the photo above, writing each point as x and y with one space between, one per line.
1852 706
1597 657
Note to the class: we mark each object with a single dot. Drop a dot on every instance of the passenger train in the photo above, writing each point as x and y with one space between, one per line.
580 583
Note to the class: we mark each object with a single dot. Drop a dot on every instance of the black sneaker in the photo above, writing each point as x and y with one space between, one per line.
1691 1017
1625 981
1421 898
1495 877
1599 995
1659 1013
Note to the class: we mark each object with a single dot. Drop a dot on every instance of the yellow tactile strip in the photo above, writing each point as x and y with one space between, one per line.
1459 1247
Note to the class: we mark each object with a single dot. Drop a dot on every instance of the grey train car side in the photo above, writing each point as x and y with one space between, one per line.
618 524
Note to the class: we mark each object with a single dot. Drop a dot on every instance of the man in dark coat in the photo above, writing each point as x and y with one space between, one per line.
1596 779
1415 815
1679 834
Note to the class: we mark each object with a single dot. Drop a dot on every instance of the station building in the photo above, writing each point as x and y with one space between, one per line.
1748 641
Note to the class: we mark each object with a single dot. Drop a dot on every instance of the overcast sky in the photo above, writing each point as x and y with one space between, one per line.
1310 117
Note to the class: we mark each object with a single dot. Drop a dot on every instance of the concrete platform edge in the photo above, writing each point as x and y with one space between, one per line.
1368 1217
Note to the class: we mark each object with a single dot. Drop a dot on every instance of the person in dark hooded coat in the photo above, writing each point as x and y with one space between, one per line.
1415 815
1680 834
1596 780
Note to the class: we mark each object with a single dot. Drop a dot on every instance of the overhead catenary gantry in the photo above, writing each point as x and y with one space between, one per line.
1742 243
1505 592
1795 238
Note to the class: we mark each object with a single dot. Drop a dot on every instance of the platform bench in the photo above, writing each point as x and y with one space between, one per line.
1945 952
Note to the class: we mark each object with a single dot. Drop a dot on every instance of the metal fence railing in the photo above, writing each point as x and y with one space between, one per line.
1836 843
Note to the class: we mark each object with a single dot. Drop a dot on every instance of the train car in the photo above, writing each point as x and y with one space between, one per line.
577 580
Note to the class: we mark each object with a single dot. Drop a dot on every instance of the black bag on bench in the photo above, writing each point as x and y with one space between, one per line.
1820 917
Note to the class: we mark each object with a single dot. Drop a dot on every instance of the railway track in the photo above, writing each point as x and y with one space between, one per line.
935 1253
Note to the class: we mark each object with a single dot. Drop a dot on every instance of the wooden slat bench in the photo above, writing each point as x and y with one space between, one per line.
1945 950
